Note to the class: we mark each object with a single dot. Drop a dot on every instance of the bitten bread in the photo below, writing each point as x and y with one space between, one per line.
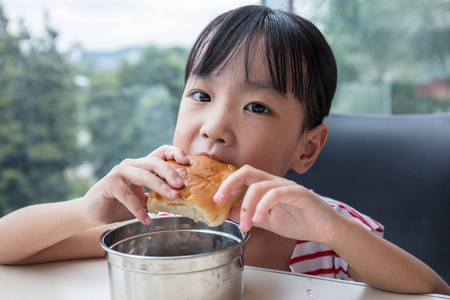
202 179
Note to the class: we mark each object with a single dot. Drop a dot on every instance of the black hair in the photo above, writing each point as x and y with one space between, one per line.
298 55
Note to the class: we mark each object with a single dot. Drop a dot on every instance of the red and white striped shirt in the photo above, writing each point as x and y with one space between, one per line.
314 258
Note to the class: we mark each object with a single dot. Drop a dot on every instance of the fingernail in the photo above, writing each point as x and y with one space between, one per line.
219 197
243 225
256 218
174 193
147 220
179 180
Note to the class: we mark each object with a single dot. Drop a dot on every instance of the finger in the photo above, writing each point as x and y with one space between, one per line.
249 203
255 194
245 176
157 166
167 152
268 202
123 194
131 175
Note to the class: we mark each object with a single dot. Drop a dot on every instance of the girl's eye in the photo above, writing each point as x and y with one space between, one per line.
201 96
257 108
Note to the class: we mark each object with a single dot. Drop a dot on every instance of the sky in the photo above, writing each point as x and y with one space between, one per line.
109 25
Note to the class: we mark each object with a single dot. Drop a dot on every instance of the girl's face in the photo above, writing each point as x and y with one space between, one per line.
240 122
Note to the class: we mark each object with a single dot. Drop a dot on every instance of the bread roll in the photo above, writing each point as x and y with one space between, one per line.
202 179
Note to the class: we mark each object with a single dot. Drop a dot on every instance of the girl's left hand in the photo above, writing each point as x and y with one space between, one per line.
281 206
290 210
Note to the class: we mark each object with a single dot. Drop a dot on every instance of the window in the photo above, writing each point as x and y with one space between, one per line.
85 84
393 56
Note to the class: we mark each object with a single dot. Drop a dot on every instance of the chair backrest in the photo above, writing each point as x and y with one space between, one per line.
395 169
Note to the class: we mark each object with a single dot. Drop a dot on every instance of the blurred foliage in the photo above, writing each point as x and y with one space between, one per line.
133 112
401 43
51 128
157 66
386 40
128 122
407 100
37 124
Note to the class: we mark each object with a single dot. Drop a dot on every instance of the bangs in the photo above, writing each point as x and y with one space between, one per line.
230 34
292 48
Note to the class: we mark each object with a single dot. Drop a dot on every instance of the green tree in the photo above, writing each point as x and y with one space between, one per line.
37 119
157 66
370 38
128 122
132 110
386 43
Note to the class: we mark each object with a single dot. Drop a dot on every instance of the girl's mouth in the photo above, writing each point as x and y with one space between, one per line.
213 157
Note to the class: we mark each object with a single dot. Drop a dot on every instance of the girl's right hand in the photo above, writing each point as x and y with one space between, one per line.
120 194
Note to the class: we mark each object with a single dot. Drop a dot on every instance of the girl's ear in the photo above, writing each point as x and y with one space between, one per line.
313 143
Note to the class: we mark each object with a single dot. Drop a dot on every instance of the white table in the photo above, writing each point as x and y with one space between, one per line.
88 279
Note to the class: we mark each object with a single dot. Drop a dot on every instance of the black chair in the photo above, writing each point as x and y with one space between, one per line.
395 169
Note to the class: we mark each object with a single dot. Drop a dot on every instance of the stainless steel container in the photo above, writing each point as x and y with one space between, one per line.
175 258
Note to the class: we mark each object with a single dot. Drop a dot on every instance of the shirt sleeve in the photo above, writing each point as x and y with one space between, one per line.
313 258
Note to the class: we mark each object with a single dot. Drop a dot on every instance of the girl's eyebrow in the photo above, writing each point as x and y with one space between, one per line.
263 86
198 79
251 84
201 78
260 85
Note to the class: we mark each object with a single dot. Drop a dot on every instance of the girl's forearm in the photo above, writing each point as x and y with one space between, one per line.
29 230
384 265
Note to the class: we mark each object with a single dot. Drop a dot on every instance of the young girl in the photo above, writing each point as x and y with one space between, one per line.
258 85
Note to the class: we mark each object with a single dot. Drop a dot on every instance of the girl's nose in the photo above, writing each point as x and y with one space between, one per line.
219 128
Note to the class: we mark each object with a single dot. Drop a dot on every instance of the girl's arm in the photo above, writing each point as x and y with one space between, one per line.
383 265
290 210
48 232
71 229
